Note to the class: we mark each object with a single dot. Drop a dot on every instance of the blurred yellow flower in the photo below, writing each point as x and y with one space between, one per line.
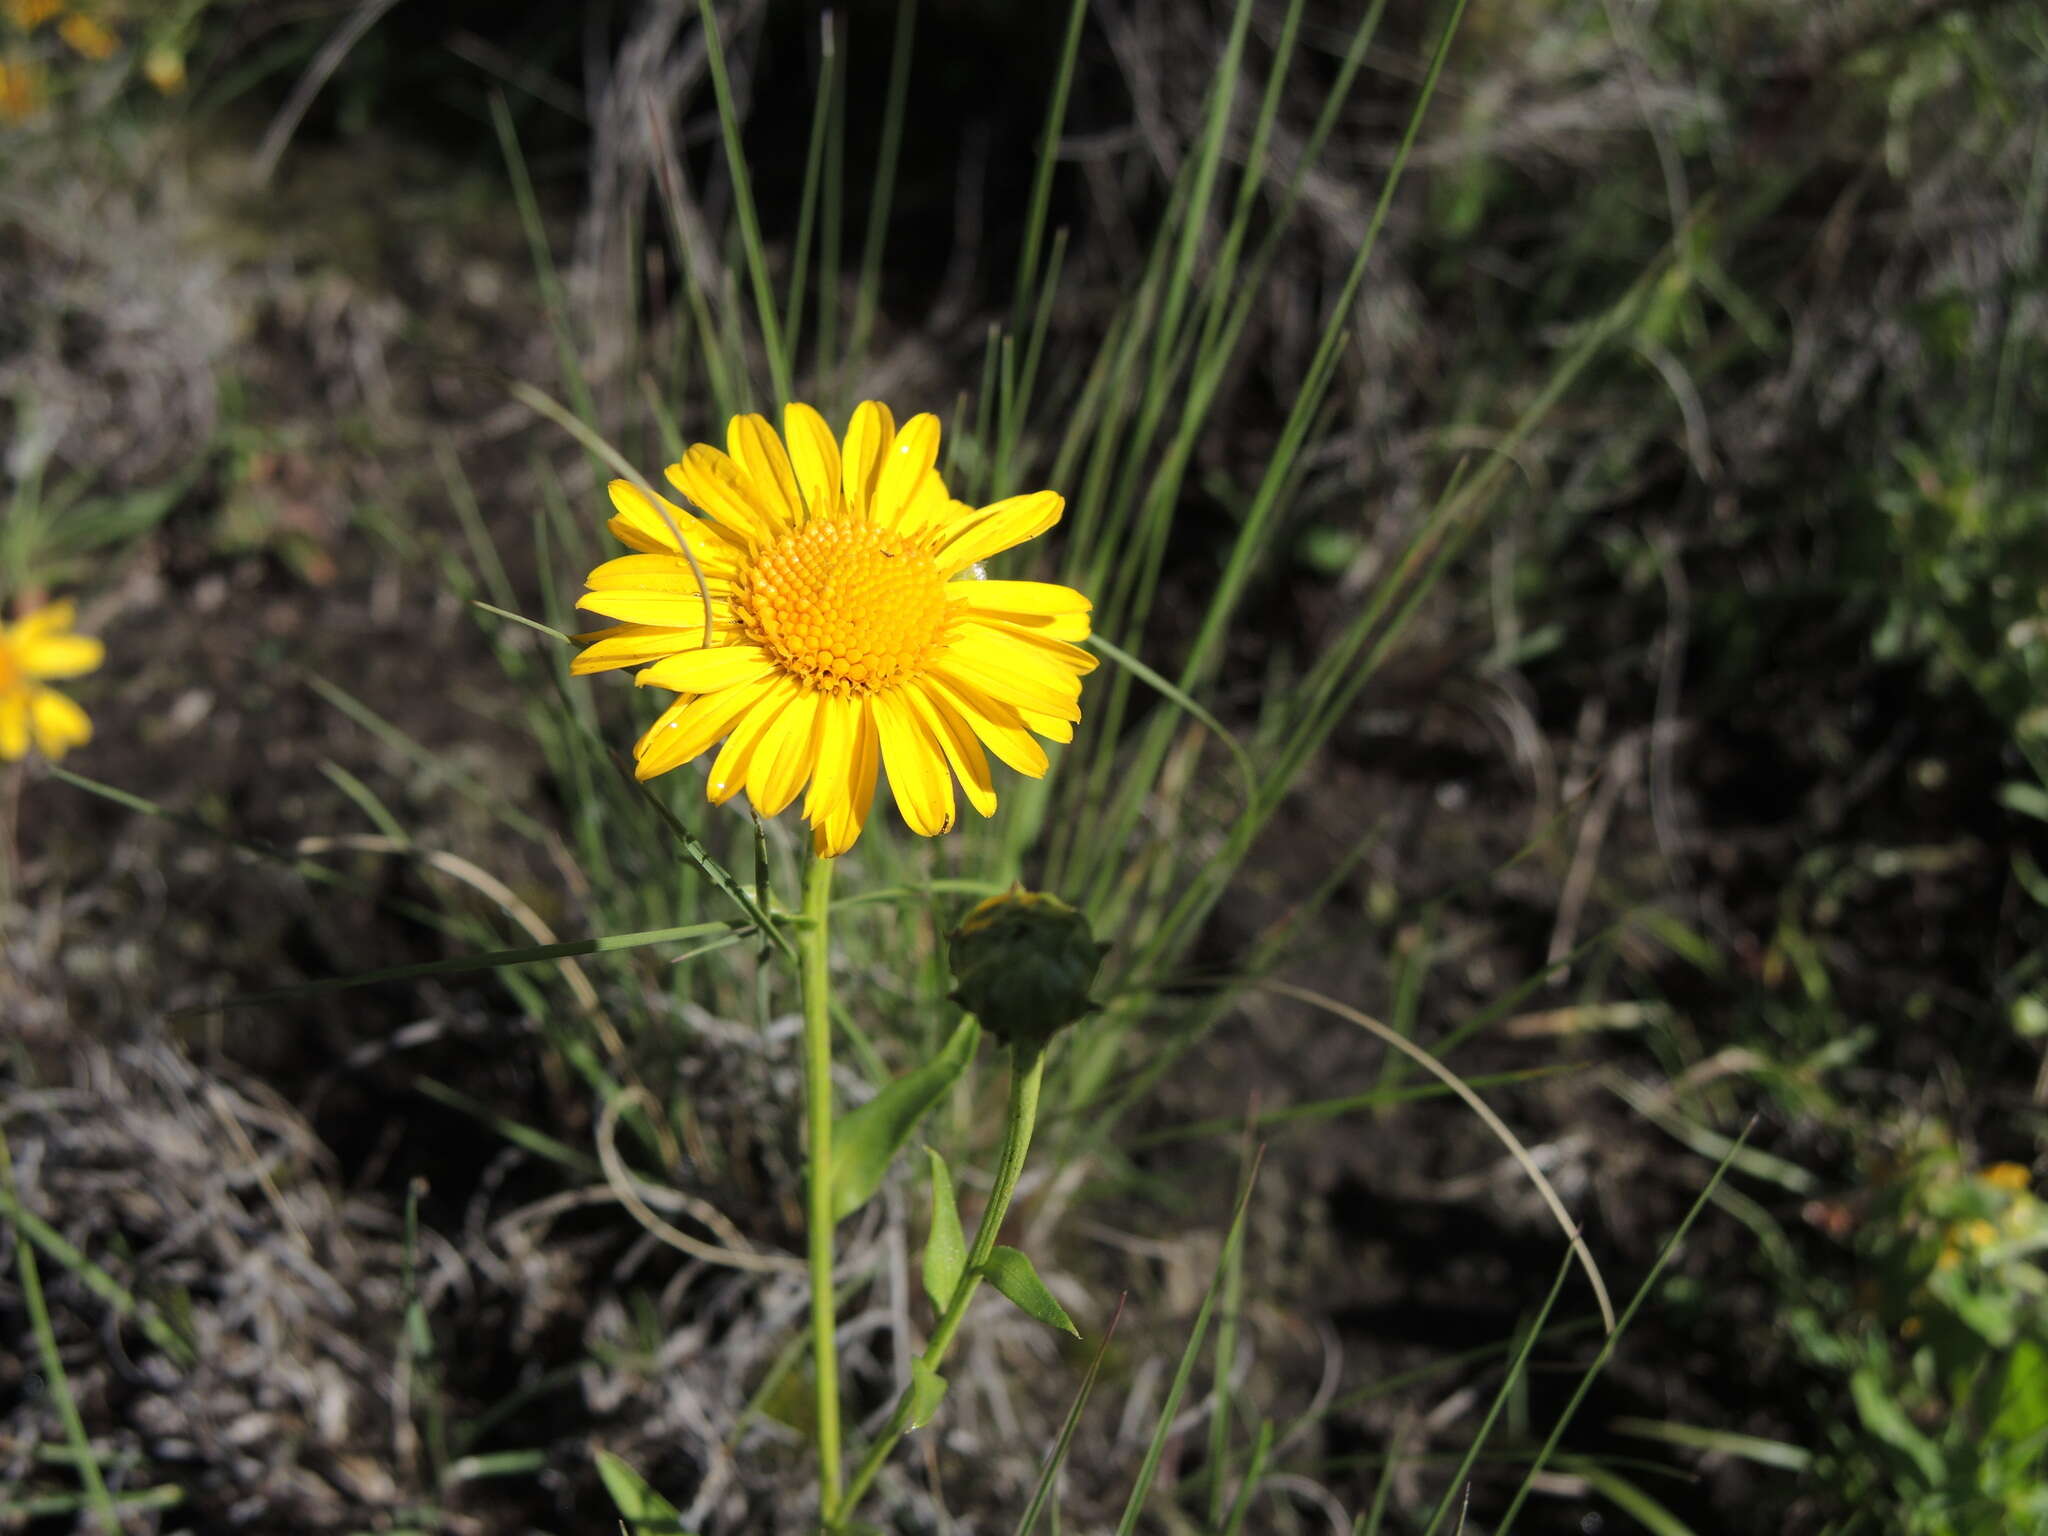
164 68
2010 1176
842 626
38 648
89 38
21 90
30 14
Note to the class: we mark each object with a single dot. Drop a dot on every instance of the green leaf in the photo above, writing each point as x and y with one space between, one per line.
645 1512
867 1140
1885 1419
1011 1273
2027 799
927 1389
945 1251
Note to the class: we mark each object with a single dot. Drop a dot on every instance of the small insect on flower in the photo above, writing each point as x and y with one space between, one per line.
39 648
842 625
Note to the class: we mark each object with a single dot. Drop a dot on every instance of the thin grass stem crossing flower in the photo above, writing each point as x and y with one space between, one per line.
37 649
850 629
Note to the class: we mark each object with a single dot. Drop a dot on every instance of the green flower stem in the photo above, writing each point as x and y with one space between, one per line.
814 963
1027 1071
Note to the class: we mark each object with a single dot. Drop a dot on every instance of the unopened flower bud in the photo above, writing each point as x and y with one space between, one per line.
1023 963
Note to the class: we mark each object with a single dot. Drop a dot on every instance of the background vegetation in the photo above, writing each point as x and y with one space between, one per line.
1576 591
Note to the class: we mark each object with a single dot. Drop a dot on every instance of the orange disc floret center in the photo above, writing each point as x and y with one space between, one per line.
845 605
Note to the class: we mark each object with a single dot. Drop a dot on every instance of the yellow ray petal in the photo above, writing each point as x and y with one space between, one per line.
1019 597
1009 670
1036 636
730 768
998 527
928 507
814 455
50 619
910 457
917 768
13 726
661 572
726 492
868 435
59 724
711 670
690 725
757 450
1003 729
671 610
53 656
785 756
955 738
652 526
1051 727
630 645
843 787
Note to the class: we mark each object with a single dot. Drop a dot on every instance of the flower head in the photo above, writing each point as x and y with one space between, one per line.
164 67
1023 963
30 14
21 89
35 649
88 37
842 625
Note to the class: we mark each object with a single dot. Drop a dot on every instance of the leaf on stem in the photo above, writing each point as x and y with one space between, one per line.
945 1251
1012 1274
867 1140
643 1511
927 1390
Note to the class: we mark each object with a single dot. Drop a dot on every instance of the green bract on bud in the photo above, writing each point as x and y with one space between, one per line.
1023 963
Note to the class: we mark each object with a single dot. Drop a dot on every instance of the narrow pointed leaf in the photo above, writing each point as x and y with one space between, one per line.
644 1512
1012 1274
927 1390
867 1140
945 1251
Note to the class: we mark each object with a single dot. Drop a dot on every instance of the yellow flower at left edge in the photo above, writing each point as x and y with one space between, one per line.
843 625
36 649
30 14
21 89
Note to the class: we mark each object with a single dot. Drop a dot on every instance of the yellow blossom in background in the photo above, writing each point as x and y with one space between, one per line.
2007 1176
164 68
39 648
847 627
21 90
89 38
30 14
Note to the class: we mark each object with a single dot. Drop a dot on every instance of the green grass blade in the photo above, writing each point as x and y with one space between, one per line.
1613 1339
743 204
883 189
458 965
1050 1471
1148 1470
1516 1366
55 1380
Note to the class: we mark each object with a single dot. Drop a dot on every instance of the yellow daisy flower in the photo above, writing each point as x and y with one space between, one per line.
164 67
21 89
847 628
34 650
88 37
2007 1176
30 14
